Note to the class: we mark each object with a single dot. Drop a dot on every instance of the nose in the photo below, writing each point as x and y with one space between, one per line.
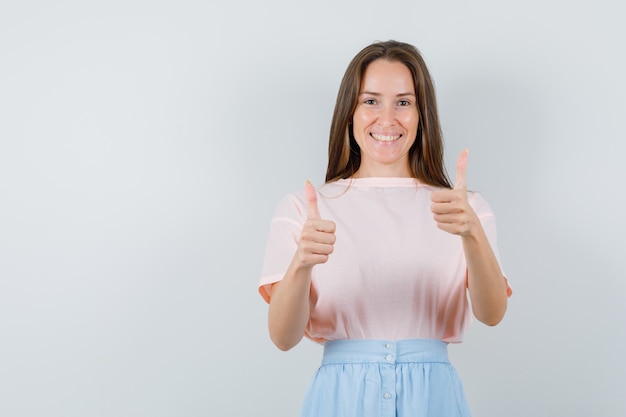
386 115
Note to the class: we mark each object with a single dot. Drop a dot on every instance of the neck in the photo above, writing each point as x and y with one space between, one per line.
383 171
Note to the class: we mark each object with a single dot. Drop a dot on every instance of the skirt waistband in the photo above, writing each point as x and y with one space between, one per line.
385 351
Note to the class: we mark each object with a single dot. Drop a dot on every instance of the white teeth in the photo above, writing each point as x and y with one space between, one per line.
384 138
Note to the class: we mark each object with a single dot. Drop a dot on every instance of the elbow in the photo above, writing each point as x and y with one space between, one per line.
491 318
491 321
285 335
282 338
283 344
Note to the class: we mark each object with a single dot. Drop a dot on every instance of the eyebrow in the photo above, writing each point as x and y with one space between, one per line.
370 93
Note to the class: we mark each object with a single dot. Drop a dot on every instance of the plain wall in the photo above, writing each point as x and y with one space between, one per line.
145 144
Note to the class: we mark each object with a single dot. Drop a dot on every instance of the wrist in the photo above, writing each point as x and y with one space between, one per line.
474 230
300 270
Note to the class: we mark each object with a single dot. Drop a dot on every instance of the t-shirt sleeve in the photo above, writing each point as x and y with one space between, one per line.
488 221
285 229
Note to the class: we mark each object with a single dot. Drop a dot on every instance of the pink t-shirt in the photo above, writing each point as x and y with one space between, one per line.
393 274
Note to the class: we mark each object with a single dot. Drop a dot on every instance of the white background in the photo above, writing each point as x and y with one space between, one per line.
145 144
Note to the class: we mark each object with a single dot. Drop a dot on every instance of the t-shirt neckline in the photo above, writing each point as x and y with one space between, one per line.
380 182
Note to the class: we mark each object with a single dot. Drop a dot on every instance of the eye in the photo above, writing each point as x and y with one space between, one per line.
404 103
370 101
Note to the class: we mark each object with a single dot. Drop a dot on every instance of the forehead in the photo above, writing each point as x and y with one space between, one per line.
387 76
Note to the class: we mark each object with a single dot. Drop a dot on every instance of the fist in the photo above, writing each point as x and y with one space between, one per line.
317 238
451 209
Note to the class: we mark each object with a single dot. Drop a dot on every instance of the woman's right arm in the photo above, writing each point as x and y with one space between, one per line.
289 309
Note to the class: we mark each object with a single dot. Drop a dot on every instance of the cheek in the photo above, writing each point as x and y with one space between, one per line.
410 122
360 121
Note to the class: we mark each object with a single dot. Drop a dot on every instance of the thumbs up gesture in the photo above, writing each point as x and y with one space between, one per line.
317 238
451 209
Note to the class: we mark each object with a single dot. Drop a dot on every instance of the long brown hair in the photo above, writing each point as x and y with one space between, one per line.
426 154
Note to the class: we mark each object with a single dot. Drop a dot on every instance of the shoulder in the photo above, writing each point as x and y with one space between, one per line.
291 207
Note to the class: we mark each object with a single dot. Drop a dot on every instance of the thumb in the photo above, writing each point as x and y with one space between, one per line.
461 168
311 201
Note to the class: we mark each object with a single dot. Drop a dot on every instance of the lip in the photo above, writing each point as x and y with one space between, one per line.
385 138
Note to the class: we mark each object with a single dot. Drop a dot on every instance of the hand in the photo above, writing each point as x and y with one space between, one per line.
450 208
317 238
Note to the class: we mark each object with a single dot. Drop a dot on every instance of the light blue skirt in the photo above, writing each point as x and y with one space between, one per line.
379 378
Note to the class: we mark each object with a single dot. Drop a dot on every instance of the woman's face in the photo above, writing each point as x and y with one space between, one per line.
385 120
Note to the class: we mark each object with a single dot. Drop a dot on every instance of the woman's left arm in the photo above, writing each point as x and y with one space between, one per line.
486 284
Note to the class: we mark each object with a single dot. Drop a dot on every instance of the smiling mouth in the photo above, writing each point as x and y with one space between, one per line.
385 138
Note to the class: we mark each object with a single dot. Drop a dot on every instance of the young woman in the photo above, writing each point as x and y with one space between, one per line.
377 263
